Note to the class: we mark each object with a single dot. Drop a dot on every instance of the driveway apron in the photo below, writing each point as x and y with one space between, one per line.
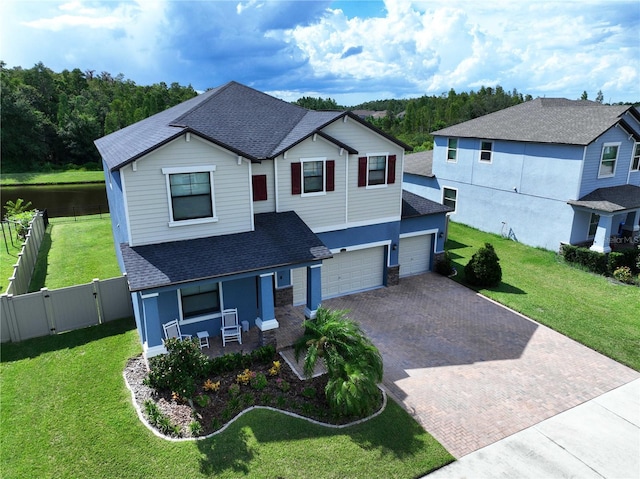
469 370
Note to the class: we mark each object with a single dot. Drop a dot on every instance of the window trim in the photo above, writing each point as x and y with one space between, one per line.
635 157
202 317
483 150
455 150
385 169
615 161
324 176
167 172
455 208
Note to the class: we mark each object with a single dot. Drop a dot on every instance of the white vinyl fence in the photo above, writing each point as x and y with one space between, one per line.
58 310
23 268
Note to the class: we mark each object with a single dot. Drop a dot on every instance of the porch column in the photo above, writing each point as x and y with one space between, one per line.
266 309
603 235
314 290
151 327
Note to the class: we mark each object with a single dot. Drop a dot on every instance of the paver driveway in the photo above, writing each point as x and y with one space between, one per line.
469 370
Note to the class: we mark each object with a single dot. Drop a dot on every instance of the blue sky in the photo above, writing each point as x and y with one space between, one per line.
349 50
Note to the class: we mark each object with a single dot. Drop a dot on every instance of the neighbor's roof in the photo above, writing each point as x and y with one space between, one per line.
612 199
414 205
245 121
279 239
547 120
419 163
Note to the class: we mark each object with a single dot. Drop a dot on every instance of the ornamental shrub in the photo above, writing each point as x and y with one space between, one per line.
624 275
180 369
483 269
444 266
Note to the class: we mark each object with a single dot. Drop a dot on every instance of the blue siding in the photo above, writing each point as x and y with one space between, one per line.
590 180
425 223
363 235
115 198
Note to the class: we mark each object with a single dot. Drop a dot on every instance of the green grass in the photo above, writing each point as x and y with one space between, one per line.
593 310
71 176
9 250
75 251
66 413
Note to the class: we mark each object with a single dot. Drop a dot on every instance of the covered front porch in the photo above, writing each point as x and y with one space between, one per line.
613 216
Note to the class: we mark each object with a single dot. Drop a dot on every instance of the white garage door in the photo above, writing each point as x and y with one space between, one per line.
415 253
345 273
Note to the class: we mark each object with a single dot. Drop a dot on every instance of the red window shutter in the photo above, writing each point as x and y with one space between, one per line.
331 167
362 171
296 186
259 184
391 169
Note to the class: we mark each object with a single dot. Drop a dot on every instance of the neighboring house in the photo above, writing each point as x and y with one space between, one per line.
235 199
544 172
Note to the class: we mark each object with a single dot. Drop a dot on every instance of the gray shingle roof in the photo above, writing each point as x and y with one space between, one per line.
241 119
279 239
545 120
414 205
419 163
612 199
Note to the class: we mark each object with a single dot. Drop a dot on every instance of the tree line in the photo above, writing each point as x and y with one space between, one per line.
50 120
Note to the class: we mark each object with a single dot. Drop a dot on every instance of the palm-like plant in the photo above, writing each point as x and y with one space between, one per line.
354 364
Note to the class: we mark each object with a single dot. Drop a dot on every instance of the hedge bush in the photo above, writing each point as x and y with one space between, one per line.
483 269
602 263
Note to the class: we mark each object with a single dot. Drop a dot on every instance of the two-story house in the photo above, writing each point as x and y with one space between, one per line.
236 199
544 172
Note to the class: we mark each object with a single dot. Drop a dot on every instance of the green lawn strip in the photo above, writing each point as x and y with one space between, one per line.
8 256
60 177
75 251
66 412
592 309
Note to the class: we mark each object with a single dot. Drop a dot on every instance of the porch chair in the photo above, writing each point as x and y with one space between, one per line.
231 330
172 330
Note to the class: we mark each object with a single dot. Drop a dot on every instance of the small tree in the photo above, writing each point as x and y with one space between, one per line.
483 269
354 364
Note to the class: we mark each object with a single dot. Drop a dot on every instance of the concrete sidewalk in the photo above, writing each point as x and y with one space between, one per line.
597 439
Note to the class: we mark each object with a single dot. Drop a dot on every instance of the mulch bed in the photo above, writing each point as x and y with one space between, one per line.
303 397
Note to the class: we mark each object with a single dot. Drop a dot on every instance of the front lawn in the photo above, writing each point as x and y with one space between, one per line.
595 311
66 412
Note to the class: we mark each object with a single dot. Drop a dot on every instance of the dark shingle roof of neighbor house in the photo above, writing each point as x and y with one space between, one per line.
414 205
547 120
611 199
279 239
245 121
419 163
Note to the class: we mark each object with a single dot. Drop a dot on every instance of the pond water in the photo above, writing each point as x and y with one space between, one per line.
61 200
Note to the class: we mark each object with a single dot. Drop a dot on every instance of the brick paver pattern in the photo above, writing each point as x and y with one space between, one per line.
470 371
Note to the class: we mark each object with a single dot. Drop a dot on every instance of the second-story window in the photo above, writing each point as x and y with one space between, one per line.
313 176
190 191
608 160
486 148
635 162
450 198
452 150
377 170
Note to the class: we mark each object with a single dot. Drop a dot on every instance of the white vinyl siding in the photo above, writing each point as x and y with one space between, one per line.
317 210
148 198
369 205
415 254
265 168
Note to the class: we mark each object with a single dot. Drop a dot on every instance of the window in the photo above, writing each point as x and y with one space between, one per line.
635 162
593 224
376 169
312 176
452 150
608 160
190 192
485 151
259 187
450 198
199 301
